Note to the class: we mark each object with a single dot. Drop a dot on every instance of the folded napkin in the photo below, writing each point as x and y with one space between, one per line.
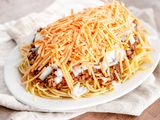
12 33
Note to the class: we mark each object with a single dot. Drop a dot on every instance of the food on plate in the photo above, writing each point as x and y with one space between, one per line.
85 54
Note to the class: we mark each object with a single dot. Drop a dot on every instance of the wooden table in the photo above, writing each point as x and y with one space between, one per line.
14 9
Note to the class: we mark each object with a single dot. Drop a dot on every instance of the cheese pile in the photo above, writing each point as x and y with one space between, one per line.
95 38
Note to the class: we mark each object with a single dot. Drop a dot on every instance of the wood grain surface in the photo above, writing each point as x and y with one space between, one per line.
14 9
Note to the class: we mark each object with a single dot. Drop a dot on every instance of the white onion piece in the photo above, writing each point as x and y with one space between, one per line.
38 36
112 58
97 67
109 59
57 80
84 67
104 79
104 64
58 73
126 33
54 66
120 52
78 70
78 91
37 46
132 40
34 49
45 72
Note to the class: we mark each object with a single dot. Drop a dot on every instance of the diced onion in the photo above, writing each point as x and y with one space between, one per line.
122 52
46 72
78 91
55 66
38 36
132 40
104 79
57 80
58 73
78 70
97 67
112 58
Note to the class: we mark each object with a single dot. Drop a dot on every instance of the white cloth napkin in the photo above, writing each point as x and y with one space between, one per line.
133 103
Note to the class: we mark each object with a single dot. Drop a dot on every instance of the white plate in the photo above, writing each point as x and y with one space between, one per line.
12 79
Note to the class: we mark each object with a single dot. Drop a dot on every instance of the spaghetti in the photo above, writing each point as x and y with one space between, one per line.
81 55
